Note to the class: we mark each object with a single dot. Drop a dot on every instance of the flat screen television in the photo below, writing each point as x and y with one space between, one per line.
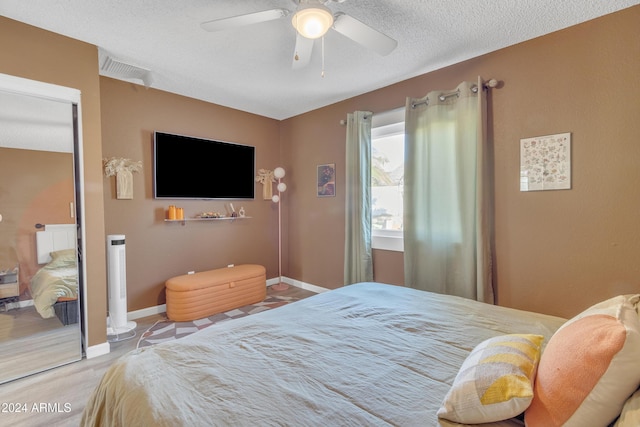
186 167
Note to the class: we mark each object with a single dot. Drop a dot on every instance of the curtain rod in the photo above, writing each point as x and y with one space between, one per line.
344 122
443 96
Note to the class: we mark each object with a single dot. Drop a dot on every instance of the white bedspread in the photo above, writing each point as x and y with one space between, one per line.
363 355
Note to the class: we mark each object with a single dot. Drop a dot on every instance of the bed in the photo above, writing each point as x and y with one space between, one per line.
54 287
367 354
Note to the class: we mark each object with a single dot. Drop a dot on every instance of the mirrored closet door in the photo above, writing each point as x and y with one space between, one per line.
40 266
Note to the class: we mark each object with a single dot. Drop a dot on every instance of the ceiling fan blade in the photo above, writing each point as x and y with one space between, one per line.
242 20
302 52
363 34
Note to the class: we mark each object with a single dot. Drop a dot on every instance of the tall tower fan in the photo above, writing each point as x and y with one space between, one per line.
118 328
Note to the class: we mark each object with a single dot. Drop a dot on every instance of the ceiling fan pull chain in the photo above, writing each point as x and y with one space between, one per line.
322 73
296 57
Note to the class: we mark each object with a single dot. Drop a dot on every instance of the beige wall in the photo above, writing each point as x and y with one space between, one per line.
556 251
36 54
156 250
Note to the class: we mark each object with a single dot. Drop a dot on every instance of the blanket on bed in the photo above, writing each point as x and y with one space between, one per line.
57 279
366 354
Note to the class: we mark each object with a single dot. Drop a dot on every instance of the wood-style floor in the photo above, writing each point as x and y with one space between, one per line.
57 397
29 343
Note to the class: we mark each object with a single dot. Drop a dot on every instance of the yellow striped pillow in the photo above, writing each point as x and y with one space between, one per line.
495 382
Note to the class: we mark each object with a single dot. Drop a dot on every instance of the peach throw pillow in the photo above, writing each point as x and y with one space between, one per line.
589 367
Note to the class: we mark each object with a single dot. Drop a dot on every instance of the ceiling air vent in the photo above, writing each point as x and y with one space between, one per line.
117 69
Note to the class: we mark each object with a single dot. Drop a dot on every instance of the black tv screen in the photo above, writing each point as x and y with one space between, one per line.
193 168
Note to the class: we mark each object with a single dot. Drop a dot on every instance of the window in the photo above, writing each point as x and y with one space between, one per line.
387 179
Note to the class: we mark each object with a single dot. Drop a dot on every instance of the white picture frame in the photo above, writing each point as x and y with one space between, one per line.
545 163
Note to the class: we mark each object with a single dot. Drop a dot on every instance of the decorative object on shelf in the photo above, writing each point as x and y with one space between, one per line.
545 163
234 214
278 174
123 170
175 213
327 180
241 212
266 178
210 215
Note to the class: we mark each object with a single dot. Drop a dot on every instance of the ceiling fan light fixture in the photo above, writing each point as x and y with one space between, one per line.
312 22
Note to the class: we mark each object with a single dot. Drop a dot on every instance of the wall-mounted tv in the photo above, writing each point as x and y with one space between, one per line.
186 167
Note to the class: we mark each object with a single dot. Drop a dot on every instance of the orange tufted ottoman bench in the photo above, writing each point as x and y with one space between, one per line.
202 294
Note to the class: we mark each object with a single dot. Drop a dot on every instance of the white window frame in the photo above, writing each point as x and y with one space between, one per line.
383 124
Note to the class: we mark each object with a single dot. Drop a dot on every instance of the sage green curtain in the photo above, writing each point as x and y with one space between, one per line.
358 263
447 241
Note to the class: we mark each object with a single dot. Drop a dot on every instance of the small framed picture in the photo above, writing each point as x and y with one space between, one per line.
545 162
327 180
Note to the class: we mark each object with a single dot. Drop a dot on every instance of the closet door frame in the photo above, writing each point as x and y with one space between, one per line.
22 86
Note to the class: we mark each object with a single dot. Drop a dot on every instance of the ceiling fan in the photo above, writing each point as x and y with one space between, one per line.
312 19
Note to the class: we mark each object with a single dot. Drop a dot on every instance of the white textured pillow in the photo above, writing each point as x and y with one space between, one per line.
495 382
589 368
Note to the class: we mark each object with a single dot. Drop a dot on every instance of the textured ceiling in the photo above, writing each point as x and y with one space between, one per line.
250 69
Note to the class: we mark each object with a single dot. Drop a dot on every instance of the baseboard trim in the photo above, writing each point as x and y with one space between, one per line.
146 312
304 285
97 350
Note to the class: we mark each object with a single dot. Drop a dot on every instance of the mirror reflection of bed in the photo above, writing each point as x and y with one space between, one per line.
48 321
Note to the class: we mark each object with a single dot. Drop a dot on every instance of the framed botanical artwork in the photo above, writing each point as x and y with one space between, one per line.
545 162
326 181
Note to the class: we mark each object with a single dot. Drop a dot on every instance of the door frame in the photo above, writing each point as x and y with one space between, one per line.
22 86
